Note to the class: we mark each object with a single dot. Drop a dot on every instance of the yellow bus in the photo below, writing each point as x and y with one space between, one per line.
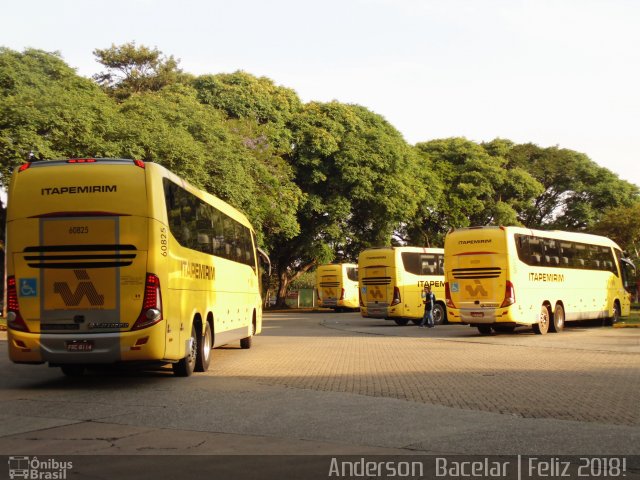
392 280
501 277
337 286
115 260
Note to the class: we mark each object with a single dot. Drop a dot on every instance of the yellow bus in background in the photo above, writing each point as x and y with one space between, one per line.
337 286
392 280
501 277
114 260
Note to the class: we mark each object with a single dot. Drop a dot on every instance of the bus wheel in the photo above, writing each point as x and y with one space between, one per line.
185 367
484 329
72 370
438 314
558 319
203 358
246 342
542 327
401 321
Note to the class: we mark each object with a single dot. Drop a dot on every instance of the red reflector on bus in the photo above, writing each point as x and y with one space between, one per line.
24 166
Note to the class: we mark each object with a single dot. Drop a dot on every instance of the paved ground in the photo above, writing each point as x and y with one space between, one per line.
338 383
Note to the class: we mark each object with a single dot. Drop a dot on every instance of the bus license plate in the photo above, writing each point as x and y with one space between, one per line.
80 346
477 314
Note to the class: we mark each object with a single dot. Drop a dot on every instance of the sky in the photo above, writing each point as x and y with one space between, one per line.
551 72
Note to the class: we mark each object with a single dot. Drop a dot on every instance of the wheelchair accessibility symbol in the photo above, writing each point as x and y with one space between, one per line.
28 287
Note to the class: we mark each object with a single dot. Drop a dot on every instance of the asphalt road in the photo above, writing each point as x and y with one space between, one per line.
336 383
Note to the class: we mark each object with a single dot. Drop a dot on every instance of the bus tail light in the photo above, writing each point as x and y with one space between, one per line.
342 294
360 298
447 294
509 295
14 319
24 166
151 312
396 296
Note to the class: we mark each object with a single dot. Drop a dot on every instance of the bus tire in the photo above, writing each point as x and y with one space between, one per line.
401 321
439 314
542 327
484 329
558 319
186 366
246 342
72 370
203 355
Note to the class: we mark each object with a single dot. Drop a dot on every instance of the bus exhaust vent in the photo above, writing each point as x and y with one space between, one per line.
79 256
376 280
476 273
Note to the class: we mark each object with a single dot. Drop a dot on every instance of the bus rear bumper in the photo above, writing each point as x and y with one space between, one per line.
479 316
103 348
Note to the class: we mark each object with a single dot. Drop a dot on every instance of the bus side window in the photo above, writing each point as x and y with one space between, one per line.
551 256
581 257
535 251
566 254
218 234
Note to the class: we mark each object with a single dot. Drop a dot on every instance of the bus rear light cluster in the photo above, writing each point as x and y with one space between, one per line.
342 294
509 295
14 319
151 312
360 298
447 294
396 296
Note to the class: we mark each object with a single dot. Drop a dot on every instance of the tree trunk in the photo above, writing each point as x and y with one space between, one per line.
281 301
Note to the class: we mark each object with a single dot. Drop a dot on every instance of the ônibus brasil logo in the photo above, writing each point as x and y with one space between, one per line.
31 468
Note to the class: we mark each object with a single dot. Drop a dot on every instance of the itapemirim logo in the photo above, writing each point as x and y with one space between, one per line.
32 468
84 288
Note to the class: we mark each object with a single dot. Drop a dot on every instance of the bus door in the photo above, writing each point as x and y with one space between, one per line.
477 285
375 290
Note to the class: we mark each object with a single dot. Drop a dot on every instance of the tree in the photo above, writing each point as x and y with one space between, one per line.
357 175
477 188
132 69
622 226
48 111
576 190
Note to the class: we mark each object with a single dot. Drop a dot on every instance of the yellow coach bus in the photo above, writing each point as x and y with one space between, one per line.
337 286
114 260
392 279
501 277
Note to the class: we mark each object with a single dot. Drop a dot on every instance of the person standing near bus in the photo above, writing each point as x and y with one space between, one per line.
429 302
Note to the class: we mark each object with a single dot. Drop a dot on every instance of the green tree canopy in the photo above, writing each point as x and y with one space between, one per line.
358 177
576 190
48 111
132 69
477 187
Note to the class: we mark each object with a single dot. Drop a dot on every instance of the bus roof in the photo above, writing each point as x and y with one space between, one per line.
555 234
